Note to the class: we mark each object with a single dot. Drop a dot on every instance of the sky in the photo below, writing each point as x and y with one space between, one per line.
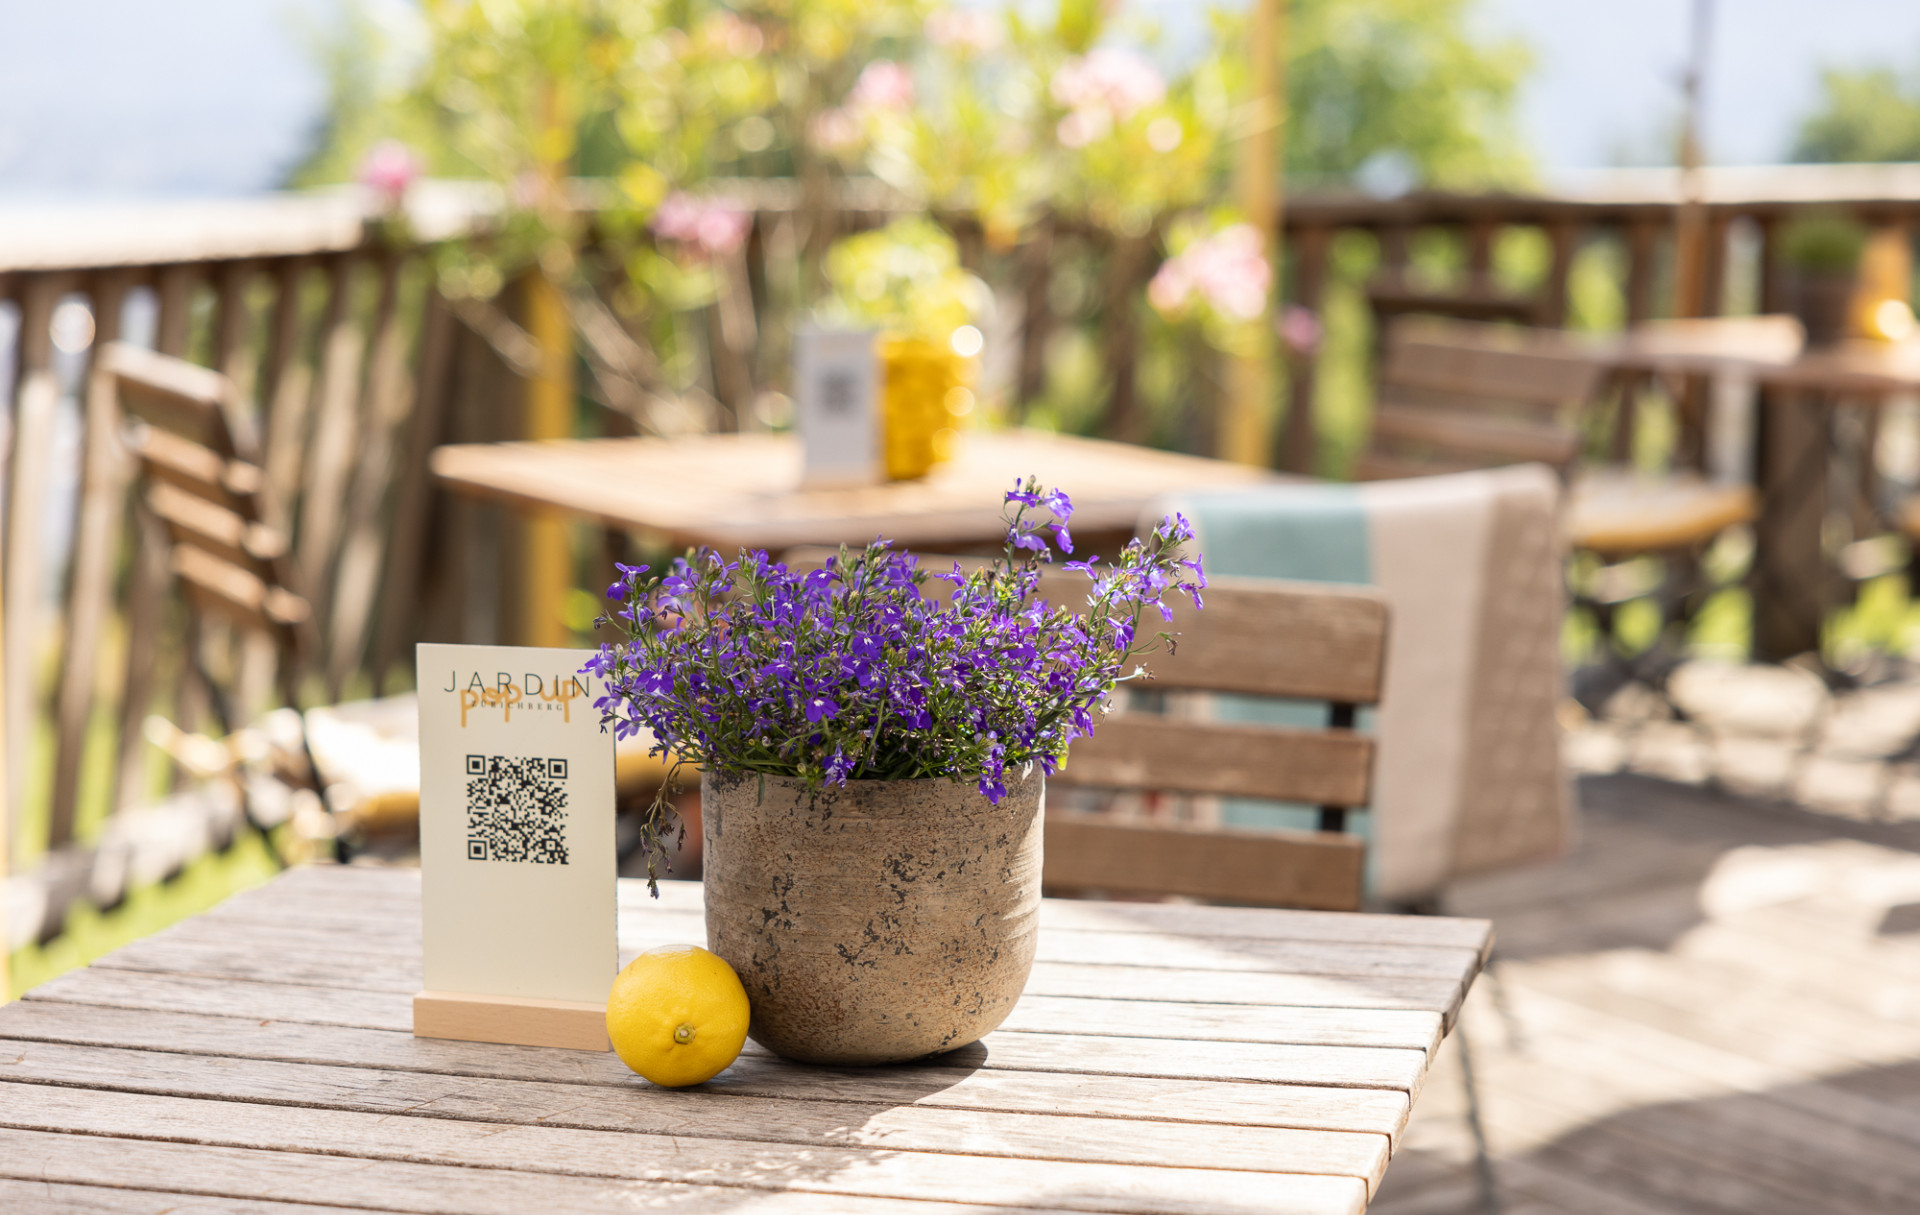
125 97
1606 73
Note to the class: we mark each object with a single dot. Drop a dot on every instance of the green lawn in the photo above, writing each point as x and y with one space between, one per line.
91 933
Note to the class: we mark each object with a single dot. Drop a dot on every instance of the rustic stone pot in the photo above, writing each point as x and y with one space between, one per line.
876 921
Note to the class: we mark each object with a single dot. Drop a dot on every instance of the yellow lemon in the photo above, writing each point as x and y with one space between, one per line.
677 1015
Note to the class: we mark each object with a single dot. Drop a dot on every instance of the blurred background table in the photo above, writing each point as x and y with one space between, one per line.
1793 446
743 490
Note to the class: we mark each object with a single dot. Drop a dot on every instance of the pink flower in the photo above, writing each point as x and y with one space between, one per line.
1171 288
1111 81
724 228
1081 127
964 29
739 38
678 217
835 130
1228 270
883 85
711 227
389 170
1299 329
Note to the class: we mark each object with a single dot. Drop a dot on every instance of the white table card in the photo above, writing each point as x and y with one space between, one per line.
836 406
516 847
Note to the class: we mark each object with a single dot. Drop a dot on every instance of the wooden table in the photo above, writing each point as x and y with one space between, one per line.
735 491
262 1052
1791 579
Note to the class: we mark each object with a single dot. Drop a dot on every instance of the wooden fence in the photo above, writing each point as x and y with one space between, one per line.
357 366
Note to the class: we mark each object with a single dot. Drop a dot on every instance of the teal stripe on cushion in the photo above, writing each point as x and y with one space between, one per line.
1315 533
1309 533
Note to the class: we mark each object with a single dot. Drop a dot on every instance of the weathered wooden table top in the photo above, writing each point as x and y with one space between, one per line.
732 491
1164 1059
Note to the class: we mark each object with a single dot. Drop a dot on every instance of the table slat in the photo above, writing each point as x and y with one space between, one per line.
1163 1059
668 1120
491 1150
1305 1107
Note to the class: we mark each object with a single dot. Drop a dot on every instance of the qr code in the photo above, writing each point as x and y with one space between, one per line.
516 809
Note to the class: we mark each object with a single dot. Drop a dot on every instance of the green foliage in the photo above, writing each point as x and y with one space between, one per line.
904 279
1400 79
1823 242
1865 116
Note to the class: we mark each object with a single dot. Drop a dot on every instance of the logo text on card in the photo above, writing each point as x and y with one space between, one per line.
531 693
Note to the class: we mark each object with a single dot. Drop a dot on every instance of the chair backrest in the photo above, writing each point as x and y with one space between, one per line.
1293 641
1455 396
200 482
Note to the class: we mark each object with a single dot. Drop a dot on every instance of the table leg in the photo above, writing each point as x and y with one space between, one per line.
1790 583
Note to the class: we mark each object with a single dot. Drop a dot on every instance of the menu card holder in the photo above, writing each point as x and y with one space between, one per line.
517 864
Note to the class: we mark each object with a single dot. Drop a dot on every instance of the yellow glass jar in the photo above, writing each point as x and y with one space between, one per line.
917 379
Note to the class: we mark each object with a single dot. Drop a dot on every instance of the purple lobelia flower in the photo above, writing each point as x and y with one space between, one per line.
870 670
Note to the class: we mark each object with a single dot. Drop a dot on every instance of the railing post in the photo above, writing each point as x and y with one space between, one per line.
35 396
96 541
1297 451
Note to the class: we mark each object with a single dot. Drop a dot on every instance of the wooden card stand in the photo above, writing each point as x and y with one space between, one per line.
511 1020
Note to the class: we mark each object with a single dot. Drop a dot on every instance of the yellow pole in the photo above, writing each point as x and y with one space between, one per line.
547 572
548 568
1250 375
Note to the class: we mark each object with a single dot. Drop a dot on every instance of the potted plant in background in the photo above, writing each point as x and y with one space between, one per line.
873 747
1821 255
906 282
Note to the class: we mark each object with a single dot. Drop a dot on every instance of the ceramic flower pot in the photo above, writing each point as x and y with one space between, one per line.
877 921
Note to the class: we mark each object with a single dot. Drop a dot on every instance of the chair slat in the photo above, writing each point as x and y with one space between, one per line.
1458 361
1260 637
191 519
193 469
223 588
1318 870
1507 440
175 396
1140 751
1256 636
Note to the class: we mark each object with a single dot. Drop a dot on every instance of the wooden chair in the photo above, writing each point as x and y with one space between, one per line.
201 482
1297 641
1453 396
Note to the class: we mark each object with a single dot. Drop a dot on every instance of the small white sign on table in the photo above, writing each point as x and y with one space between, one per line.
836 406
516 848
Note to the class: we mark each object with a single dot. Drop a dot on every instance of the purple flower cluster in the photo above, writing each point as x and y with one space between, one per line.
868 669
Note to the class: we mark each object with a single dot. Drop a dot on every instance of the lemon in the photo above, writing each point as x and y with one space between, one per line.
677 1015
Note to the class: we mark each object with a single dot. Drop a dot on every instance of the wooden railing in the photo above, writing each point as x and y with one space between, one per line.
357 367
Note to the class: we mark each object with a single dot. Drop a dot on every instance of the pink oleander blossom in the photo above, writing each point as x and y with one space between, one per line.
964 29
1227 270
1103 88
390 170
710 226
835 130
883 85
1299 329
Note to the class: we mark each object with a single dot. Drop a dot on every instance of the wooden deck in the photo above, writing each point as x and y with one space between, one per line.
1714 1007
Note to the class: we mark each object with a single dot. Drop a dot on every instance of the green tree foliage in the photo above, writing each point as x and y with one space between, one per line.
1864 116
1403 79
